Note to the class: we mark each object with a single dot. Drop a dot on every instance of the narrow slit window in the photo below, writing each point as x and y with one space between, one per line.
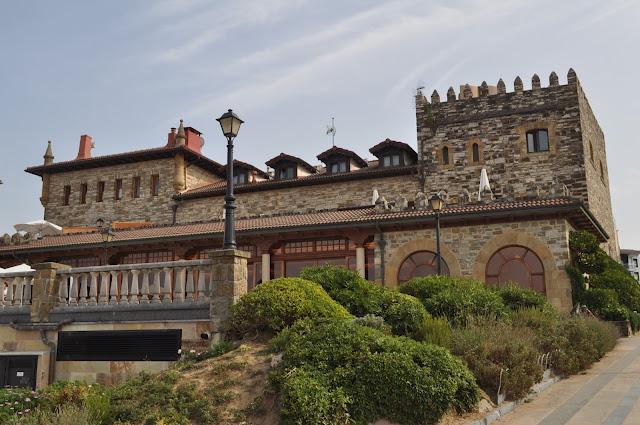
83 193
475 152
118 189
136 187
155 185
67 195
100 192
445 155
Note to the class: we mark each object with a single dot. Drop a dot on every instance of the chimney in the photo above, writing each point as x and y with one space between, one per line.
84 152
194 139
171 137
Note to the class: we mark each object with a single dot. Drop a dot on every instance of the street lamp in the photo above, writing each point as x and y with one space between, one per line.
230 124
107 236
437 204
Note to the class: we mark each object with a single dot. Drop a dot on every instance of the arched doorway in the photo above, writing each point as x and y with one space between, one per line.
419 264
517 264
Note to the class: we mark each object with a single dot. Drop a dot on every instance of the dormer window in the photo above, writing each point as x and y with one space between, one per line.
392 160
286 173
240 178
338 167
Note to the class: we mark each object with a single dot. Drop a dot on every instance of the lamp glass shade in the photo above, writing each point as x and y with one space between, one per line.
230 124
436 202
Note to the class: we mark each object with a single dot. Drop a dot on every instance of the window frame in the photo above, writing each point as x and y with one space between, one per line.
155 185
294 172
136 187
237 177
118 190
100 191
66 195
84 189
535 132
445 155
342 167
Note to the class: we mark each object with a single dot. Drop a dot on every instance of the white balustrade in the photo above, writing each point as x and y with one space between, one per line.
15 290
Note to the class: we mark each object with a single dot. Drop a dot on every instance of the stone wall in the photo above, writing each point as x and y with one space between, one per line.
353 193
156 209
498 123
599 195
466 249
197 177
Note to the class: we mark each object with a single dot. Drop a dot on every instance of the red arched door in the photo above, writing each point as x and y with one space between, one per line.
516 264
419 264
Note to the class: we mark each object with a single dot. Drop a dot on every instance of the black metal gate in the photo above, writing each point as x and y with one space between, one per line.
18 371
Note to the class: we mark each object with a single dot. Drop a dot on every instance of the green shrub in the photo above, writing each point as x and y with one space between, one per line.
582 341
492 349
434 331
616 278
403 313
381 376
16 401
604 303
516 297
374 322
457 299
66 415
278 303
324 406
588 256
634 319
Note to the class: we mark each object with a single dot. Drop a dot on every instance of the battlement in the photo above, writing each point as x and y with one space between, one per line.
499 91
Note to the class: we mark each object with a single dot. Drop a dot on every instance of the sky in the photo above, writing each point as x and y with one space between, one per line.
126 71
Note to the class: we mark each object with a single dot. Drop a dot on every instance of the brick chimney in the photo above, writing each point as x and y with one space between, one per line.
84 152
171 137
194 139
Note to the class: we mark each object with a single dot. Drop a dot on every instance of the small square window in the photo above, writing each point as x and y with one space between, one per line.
391 160
286 173
538 140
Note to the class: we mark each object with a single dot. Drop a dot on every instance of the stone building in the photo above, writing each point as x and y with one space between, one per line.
542 150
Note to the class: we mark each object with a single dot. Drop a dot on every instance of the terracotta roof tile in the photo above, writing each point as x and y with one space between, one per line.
367 215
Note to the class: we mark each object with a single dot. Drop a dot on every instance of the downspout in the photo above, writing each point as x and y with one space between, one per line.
381 245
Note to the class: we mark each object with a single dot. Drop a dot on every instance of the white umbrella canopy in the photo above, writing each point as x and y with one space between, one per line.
16 269
39 227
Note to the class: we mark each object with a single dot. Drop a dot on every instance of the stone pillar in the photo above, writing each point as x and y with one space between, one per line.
360 260
229 283
45 290
179 179
266 267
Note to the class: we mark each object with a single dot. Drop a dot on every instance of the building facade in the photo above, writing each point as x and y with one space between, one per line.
630 259
542 150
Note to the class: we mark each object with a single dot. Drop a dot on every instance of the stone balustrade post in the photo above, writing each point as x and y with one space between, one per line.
360 260
45 290
266 266
134 287
228 284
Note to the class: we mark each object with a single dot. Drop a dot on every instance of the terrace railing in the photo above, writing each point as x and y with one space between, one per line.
15 290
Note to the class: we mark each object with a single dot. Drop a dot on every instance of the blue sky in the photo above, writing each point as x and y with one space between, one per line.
126 71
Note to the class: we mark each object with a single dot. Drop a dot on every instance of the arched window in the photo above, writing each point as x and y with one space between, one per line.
445 155
516 264
475 152
419 264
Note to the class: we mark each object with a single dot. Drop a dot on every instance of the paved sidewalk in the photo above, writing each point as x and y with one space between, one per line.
606 394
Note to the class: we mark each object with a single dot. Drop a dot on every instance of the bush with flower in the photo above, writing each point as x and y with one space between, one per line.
17 402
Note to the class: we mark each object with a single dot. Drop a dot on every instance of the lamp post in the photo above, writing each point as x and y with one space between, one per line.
437 204
230 124
107 236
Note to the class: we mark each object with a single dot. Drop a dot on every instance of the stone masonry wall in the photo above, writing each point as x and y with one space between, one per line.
467 242
599 196
498 123
197 177
353 193
156 209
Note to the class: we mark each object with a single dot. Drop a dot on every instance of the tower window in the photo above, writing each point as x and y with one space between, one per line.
100 192
445 155
83 193
339 167
155 185
240 178
118 189
67 195
538 140
475 152
136 187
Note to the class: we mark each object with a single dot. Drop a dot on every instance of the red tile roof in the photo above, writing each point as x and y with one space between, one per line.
128 157
334 219
324 156
216 189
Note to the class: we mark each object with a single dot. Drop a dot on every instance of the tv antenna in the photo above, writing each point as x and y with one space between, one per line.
332 131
